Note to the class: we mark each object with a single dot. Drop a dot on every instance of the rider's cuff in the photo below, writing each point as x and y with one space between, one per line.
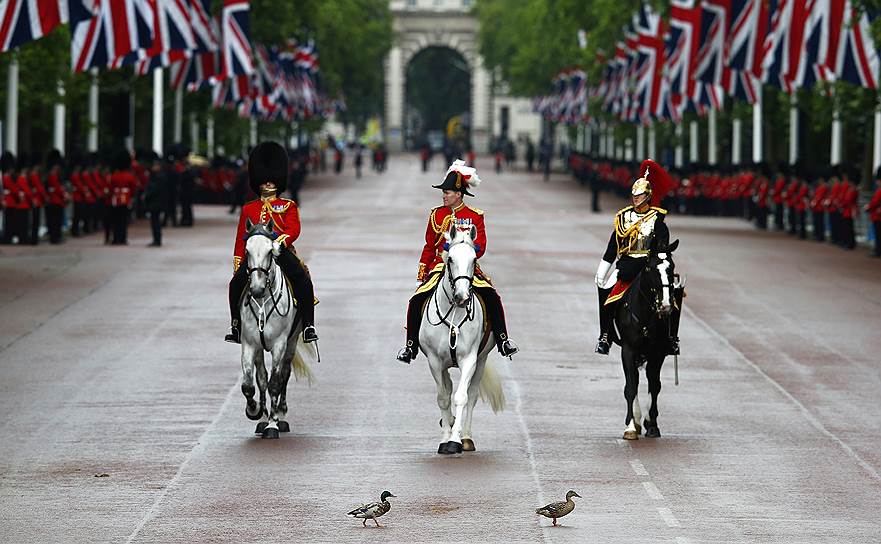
420 275
236 262
282 239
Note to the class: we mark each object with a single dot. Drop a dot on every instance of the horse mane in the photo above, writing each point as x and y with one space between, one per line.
261 229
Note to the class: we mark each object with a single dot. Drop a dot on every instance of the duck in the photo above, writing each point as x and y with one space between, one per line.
374 509
559 509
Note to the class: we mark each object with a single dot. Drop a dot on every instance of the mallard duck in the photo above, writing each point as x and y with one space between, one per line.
559 509
375 509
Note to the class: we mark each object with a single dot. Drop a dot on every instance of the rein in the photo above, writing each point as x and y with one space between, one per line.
276 288
446 319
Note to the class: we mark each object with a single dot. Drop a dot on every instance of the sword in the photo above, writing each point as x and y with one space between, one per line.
676 369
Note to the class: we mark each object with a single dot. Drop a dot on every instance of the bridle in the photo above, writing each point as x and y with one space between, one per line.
275 292
448 318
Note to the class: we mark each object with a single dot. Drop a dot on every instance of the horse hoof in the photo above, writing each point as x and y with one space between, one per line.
440 447
638 428
450 448
468 444
631 435
284 427
261 427
270 432
253 417
652 432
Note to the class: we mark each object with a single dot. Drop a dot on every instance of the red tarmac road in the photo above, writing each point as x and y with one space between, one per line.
122 419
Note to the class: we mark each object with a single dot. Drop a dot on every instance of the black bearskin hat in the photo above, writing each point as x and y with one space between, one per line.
268 162
7 162
122 160
53 159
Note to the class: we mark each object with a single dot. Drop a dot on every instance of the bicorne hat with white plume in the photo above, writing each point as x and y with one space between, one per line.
459 177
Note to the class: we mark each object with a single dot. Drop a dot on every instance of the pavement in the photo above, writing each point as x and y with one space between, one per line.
121 418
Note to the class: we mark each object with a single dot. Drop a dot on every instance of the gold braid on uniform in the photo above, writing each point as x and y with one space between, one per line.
629 235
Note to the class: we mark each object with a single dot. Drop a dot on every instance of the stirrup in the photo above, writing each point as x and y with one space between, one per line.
603 344
406 354
234 336
508 348
309 334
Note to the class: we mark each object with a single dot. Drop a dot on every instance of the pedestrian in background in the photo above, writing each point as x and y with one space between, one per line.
155 196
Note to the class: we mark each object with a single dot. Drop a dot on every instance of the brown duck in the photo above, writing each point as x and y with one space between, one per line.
559 509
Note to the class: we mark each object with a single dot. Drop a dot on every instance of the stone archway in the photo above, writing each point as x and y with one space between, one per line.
418 27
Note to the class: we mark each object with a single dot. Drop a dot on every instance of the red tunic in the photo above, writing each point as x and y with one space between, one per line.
874 208
122 188
13 196
57 195
439 222
285 219
38 192
818 200
28 195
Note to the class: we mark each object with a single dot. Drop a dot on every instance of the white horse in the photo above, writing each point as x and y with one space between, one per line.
269 313
452 334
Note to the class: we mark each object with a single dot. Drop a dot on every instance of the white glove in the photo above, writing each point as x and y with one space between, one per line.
603 272
276 249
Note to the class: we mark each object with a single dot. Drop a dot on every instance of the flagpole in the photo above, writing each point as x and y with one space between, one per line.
876 148
692 142
793 128
588 138
712 157
252 140
640 142
736 141
12 105
678 151
650 152
835 152
92 141
58 126
209 135
179 115
757 128
157 111
601 140
194 133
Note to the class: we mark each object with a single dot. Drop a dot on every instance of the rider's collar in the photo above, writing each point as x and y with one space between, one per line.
459 207
268 196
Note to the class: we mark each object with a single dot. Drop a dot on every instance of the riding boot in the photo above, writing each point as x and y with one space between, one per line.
603 344
497 321
301 284
236 289
675 316
414 320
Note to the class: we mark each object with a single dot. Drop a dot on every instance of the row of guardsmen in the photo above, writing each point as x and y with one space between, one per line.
822 205
99 192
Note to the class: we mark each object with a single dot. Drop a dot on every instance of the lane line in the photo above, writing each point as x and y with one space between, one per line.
530 453
151 513
668 517
682 540
653 491
638 467
815 423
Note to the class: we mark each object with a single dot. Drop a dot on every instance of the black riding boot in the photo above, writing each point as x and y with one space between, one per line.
603 344
675 316
497 321
414 320
236 289
301 283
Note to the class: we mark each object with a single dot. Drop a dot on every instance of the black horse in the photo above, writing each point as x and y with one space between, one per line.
642 318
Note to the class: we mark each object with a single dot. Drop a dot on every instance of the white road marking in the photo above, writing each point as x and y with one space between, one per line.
668 517
653 491
682 540
638 468
151 513
815 423
530 454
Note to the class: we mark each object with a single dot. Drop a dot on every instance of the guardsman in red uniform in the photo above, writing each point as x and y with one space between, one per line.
57 196
790 196
121 187
801 206
457 182
818 206
849 209
874 210
777 196
268 175
39 198
15 202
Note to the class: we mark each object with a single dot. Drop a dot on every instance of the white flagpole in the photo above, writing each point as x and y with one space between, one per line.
194 133
835 152
712 157
678 153
793 128
757 128
209 135
58 126
92 142
640 142
601 140
253 133
736 142
12 105
692 142
157 111
179 115
650 152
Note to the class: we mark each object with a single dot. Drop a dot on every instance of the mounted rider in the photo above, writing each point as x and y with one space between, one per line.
640 231
457 182
268 174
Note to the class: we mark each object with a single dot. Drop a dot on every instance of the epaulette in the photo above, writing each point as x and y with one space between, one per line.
432 218
659 210
478 211
622 210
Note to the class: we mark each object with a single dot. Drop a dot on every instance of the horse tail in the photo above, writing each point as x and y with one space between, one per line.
490 388
300 366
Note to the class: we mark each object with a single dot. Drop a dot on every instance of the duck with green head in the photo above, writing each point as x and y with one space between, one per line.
373 510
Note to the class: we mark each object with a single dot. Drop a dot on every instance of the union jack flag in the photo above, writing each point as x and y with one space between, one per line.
650 45
784 42
820 44
23 21
103 31
858 59
235 25
746 35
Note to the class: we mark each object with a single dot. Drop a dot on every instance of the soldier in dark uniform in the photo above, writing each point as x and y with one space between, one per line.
640 230
58 197
187 188
155 196
172 177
